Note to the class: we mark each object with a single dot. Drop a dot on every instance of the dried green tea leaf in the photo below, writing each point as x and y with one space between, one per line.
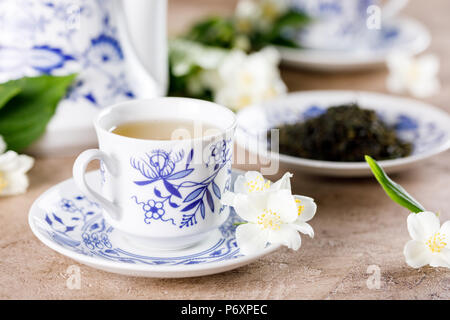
343 133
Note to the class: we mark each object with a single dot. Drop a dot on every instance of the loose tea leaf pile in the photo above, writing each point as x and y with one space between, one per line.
343 133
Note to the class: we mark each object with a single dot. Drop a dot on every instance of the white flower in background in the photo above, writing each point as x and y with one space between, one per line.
13 169
247 14
272 9
248 79
429 244
272 213
235 78
258 14
417 76
188 54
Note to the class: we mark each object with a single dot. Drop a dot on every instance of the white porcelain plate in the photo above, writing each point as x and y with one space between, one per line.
403 34
427 127
72 224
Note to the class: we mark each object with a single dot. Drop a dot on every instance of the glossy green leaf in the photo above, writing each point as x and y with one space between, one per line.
7 92
392 189
28 105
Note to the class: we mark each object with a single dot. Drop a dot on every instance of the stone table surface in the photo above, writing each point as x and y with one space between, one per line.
356 226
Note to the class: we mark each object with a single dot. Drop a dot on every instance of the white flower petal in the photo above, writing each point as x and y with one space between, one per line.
287 235
252 181
395 84
445 231
8 160
441 259
429 65
250 238
422 225
417 254
397 61
425 88
248 79
16 183
418 76
11 161
283 183
24 163
2 145
246 208
308 209
283 203
304 227
247 9
255 179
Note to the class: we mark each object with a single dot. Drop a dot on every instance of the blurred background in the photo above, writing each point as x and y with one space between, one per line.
183 14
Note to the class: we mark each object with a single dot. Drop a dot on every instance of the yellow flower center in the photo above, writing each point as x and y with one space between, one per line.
257 184
3 182
436 242
269 220
414 72
300 208
244 25
247 78
243 102
270 10
270 93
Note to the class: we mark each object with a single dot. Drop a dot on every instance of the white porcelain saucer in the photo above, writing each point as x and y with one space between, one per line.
403 34
425 126
72 224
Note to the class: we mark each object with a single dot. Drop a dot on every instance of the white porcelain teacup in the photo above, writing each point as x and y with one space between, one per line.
345 24
163 193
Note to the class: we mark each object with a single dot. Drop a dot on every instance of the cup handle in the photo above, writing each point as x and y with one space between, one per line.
79 170
393 7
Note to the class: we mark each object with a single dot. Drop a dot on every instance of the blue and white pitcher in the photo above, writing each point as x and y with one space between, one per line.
117 47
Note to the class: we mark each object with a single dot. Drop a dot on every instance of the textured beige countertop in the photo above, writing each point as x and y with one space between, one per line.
356 225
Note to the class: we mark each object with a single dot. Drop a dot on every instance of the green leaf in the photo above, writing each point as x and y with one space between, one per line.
213 31
292 19
392 189
7 92
29 107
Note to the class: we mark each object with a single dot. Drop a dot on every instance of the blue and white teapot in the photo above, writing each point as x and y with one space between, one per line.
117 47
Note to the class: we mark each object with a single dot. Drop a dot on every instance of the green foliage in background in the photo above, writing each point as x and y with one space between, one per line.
27 105
394 190
224 32
188 61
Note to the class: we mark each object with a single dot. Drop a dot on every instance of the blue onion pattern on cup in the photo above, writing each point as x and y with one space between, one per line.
167 168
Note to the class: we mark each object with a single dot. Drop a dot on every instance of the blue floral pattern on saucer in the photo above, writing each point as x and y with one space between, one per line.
72 224
79 226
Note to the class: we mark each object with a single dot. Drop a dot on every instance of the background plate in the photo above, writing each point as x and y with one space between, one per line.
426 126
405 34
